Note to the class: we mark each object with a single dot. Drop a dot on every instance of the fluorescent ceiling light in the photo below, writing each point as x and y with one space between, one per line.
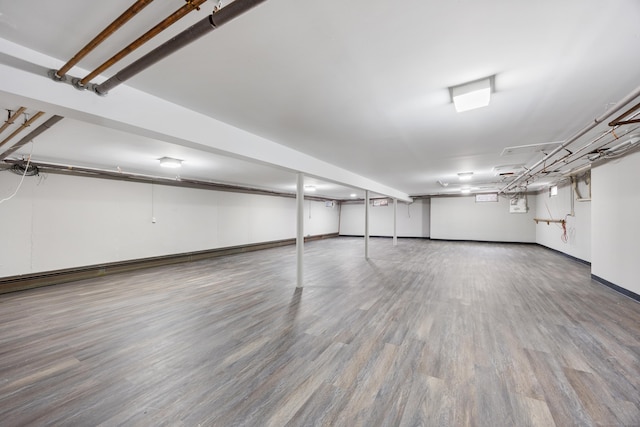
465 176
354 195
168 162
309 188
472 95
465 190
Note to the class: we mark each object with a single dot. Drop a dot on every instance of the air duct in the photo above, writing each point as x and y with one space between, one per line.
36 132
199 29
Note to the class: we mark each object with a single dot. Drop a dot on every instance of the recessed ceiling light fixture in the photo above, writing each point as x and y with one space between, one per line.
354 195
168 162
472 95
465 190
465 176
309 188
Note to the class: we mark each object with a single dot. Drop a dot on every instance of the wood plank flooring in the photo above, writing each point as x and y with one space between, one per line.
427 333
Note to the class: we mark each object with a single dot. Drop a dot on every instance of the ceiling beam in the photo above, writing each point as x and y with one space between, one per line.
23 75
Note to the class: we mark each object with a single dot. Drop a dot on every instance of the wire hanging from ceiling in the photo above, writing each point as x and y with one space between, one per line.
26 169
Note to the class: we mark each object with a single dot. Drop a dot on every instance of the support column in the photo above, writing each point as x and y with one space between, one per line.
366 224
395 222
299 230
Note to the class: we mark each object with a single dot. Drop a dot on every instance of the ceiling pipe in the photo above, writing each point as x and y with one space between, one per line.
618 120
67 169
166 23
23 126
567 160
12 119
36 132
199 29
110 29
611 111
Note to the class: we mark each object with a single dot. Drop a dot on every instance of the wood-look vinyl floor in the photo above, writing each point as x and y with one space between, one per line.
424 334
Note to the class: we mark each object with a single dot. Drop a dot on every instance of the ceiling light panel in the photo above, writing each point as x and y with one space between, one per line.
472 95
169 162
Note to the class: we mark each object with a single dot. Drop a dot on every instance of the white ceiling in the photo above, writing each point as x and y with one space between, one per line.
360 84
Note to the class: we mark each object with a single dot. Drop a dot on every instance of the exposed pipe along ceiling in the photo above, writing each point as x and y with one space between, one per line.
546 162
29 166
27 122
166 23
554 163
33 134
219 17
12 118
627 140
110 29
60 75
65 169
619 120
205 26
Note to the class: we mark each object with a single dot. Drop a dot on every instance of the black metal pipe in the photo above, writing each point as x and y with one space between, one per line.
36 132
197 30
72 170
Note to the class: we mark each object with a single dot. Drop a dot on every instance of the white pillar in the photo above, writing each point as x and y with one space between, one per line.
395 222
299 230
366 224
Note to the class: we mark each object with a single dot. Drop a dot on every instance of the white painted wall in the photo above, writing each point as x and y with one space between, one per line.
320 219
413 219
615 234
63 221
578 242
461 218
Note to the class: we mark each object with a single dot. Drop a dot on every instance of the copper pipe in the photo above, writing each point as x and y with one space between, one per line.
11 119
197 30
628 122
110 29
22 127
174 17
610 112
34 133
618 120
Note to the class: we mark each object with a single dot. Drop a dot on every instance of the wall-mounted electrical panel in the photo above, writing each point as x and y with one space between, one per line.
518 204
